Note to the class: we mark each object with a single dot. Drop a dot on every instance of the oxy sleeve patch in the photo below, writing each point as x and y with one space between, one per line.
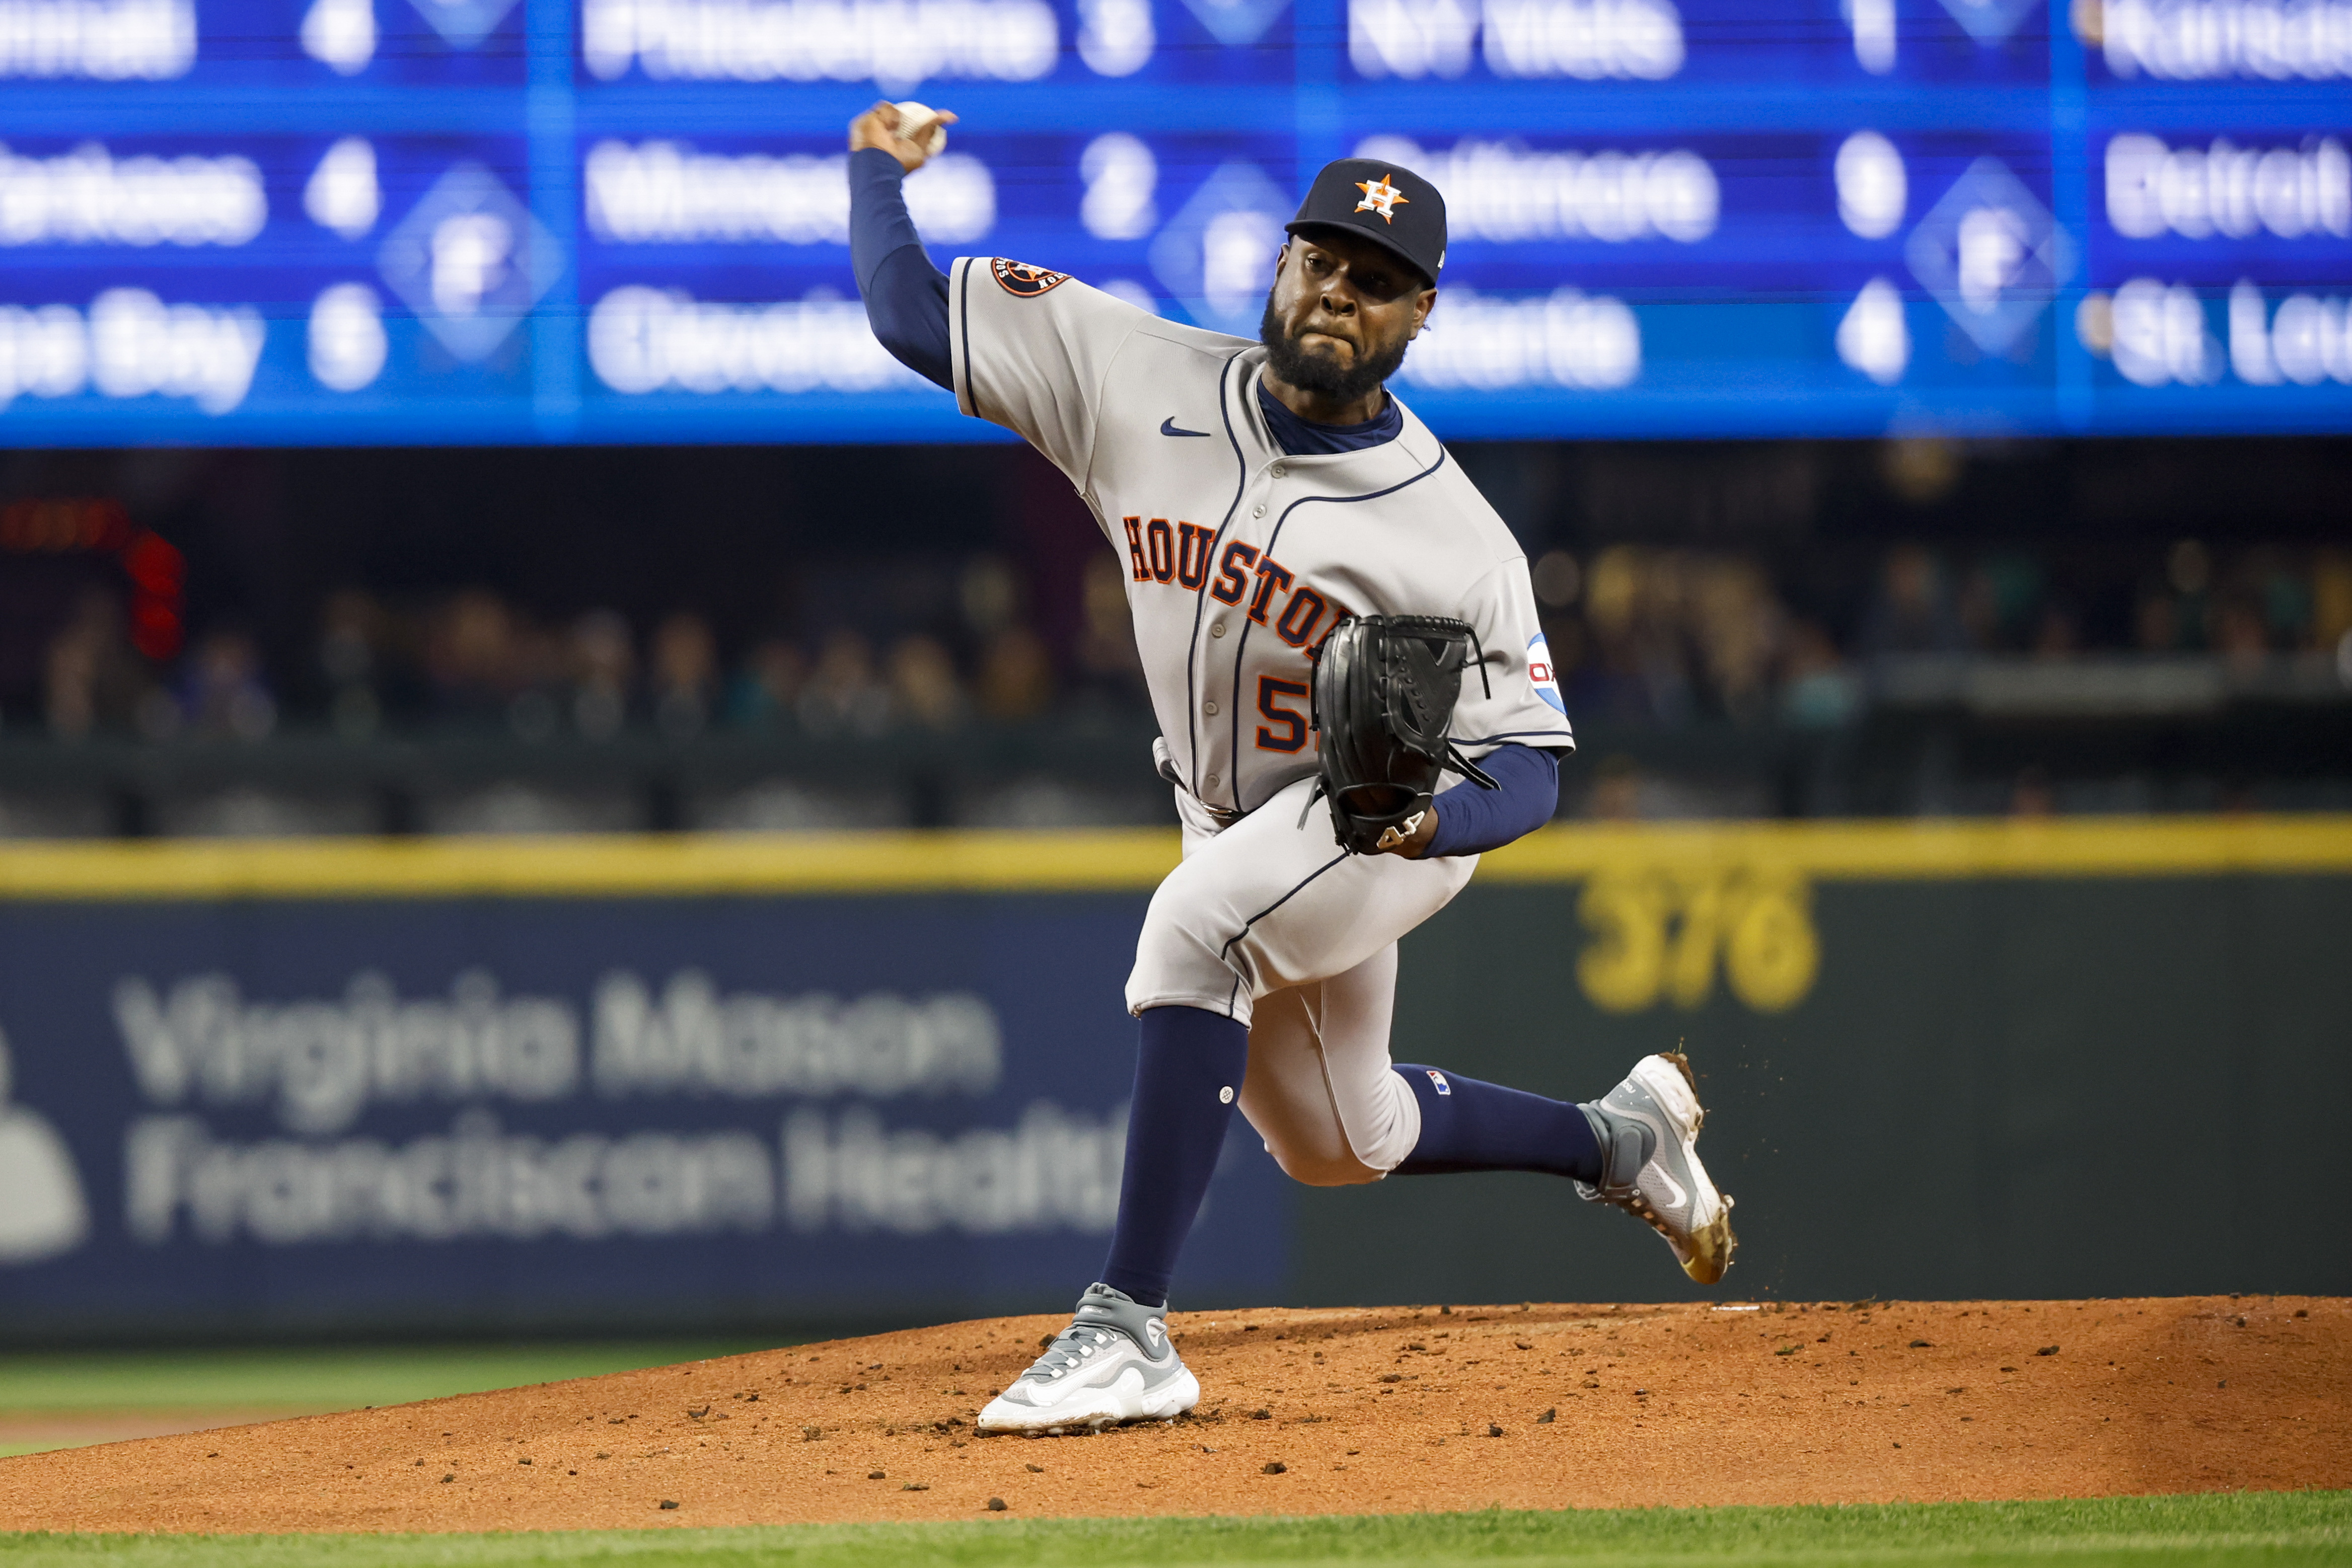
1023 280
1541 675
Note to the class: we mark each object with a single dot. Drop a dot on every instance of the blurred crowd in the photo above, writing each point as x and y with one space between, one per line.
1663 637
1673 636
472 660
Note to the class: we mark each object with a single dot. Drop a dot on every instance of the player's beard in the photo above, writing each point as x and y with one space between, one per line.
1320 372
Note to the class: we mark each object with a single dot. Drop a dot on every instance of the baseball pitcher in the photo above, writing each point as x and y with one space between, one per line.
1354 699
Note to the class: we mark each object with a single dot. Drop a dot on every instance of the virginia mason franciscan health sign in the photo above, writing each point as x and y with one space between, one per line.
759 1081
320 1065
532 1110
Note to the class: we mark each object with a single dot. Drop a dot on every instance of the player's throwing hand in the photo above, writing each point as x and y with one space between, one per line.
911 142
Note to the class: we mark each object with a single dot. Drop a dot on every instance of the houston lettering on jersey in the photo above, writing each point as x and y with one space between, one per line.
1225 629
1178 554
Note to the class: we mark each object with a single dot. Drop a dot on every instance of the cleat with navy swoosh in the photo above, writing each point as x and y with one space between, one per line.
1648 1127
1113 1366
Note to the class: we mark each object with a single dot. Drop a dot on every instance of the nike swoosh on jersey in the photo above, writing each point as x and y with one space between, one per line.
1170 427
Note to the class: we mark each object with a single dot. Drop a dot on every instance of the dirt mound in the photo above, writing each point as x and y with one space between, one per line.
1360 1411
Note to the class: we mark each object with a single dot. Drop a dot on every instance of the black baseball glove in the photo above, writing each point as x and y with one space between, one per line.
1385 687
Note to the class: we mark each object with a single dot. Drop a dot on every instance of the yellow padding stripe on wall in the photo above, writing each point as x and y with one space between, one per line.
602 865
1942 848
960 862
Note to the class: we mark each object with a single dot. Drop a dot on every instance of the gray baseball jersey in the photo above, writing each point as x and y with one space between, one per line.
1241 558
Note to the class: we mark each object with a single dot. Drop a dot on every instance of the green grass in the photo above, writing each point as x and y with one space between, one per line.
300 1381
326 1378
2272 1529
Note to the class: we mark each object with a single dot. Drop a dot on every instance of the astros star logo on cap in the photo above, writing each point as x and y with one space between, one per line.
1382 197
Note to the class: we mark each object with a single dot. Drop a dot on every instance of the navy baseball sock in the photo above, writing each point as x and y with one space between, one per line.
1466 1126
1188 1074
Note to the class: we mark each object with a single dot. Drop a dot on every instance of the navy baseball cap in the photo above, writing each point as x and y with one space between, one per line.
1393 208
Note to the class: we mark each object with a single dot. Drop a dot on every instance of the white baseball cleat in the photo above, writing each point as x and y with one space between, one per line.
1648 1127
1112 1366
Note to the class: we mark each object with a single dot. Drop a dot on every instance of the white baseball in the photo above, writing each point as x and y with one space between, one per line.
912 114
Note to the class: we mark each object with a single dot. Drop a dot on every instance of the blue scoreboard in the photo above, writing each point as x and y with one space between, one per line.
433 221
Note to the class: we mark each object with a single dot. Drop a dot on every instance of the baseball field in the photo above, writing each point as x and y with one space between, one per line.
2180 1429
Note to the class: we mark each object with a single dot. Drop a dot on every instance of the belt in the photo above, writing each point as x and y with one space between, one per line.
1164 764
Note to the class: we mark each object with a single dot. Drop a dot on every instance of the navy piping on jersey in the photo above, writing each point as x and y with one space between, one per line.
1241 648
963 310
1225 952
1561 742
1200 594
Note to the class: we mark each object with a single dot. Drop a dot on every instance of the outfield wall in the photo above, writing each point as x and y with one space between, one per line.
611 1084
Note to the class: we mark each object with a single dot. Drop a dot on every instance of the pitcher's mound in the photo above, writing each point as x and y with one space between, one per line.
1359 1411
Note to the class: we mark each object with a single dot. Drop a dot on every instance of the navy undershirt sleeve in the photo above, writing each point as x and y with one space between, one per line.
905 296
1471 820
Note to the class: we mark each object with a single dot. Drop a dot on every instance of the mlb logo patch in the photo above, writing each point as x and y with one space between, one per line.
1540 672
1438 1079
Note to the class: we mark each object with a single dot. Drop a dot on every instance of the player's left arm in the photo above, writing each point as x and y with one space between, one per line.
1513 722
1466 820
